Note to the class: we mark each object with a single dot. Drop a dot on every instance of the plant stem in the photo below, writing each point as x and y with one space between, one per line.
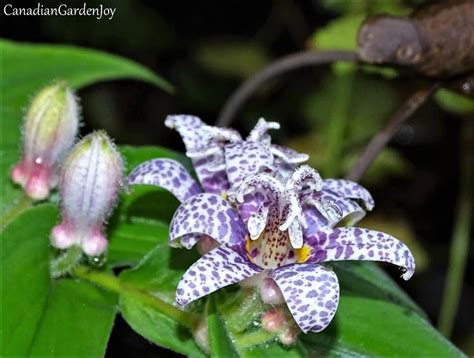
66 262
285 64
15 210
460 239
338 117
112 283
381 139
253 339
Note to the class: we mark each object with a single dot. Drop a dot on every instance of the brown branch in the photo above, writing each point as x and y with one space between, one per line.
283 65
380 140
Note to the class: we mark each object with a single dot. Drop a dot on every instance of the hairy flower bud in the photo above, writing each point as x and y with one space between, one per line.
270 292
49 131
274 321
90 181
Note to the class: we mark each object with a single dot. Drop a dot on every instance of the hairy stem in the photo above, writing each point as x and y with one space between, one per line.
283 65
252 339
460 239
65 262
381 139
112 283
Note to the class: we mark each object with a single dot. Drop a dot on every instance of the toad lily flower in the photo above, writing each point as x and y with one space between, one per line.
263 244
221 160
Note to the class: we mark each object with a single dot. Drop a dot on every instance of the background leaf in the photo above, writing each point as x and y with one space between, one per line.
371 327
41 316
157 276
26 68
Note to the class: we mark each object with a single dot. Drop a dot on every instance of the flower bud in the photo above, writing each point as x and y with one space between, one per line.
288 336
270 292
90 181
274 321
49 131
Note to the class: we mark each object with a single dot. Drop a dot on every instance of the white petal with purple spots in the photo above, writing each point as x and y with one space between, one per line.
245 158
351 190
340 244
311 292
349 212
288 155
207 214
167 174
191 129
219 268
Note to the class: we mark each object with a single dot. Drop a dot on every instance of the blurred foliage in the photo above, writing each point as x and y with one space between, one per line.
230 58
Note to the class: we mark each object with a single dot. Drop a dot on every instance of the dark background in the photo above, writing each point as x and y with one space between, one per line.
206 49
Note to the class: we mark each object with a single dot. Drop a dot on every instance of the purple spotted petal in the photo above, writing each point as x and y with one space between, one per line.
311 292
191 129
351 190
288 155
245 158
252 202
211 172
210 215
340 244
167 174
351 212
219 268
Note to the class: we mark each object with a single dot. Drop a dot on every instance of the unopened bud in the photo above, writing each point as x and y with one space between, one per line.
90 181
289 336
49 131
274 321
270 292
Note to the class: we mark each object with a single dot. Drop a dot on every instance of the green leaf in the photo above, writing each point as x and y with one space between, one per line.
364 278
130 241
454 102
157 276
375 328
276 350
41 316
219 340
76 321
28 67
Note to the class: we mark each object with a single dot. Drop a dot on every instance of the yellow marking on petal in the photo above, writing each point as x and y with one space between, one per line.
303 254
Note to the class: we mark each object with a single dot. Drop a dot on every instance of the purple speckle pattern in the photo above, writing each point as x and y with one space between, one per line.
219 268
311 293
207 214
351 190
205 146
341 244
167 174
245 158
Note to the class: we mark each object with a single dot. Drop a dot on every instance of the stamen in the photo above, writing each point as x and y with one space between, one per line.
259 132
264 183
257 222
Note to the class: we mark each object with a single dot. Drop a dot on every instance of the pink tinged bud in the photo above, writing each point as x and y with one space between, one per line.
49 131
274 321
289 336
90 180
270 292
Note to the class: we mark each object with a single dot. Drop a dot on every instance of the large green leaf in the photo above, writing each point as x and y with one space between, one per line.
25 68
374 328
131 240
41 316
157 276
